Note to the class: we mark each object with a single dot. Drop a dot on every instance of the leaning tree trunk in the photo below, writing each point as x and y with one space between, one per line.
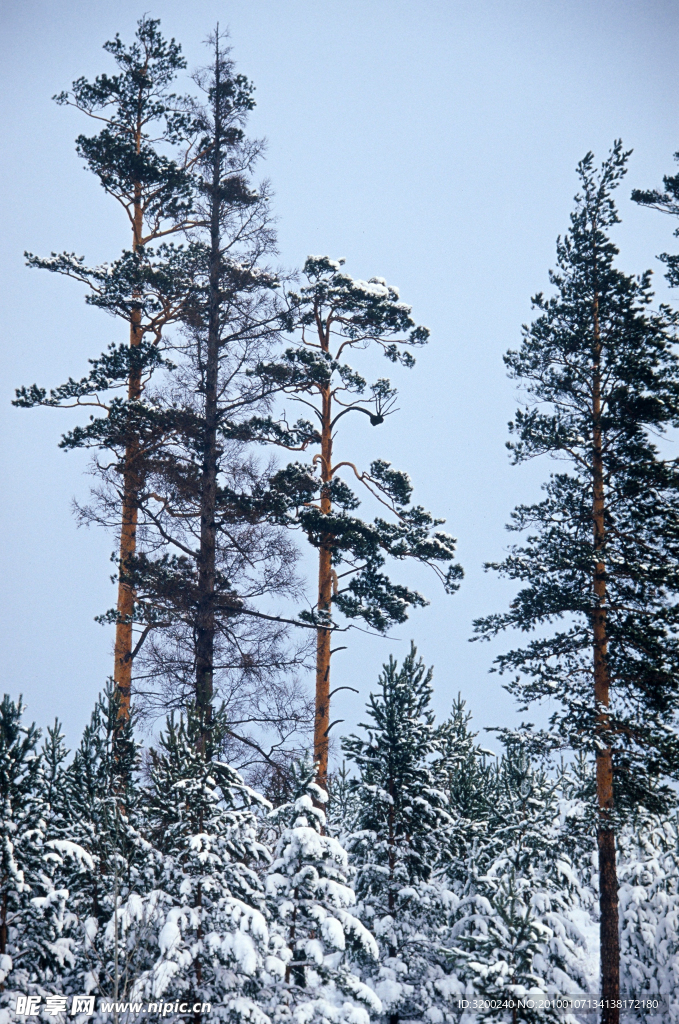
325 577
608 881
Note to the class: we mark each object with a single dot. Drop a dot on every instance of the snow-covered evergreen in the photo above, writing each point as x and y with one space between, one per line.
318 943
400 826
99 852
464 771
203 924
36 927
648 870
440 873
518 929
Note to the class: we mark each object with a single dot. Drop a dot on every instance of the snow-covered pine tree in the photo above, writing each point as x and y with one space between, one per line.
518 924
52 926
342 806
21 837
401 824
464 770
648 869
318 944
202 925
54 754
36 928
99 852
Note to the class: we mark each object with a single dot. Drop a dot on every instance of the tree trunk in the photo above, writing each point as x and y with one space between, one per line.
391 899
325 577
608 928
291 944
205 612
608 881
122 669
197 963
3 929
3 925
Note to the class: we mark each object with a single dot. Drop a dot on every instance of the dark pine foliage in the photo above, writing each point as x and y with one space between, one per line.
599 568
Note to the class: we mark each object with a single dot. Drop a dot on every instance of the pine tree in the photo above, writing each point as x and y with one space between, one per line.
21 835
333 314
98 834
37 935
601 558
52 925
142 159
464 771
207 555
649 912
342 806
666 201
517 930
19 767
202 924
225 164
318 942
401 824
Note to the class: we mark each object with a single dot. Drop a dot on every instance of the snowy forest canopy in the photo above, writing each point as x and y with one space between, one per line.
228 866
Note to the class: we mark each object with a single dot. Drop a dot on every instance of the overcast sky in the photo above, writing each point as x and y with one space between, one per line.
430 143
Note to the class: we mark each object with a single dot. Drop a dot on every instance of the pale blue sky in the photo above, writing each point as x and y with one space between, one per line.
431 143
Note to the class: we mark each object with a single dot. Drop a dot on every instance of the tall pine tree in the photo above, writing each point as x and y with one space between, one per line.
142 157
333 315
207 555
599 569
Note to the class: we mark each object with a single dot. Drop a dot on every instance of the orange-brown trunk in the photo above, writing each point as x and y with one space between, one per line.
122 669
325 578
122 673
608 882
